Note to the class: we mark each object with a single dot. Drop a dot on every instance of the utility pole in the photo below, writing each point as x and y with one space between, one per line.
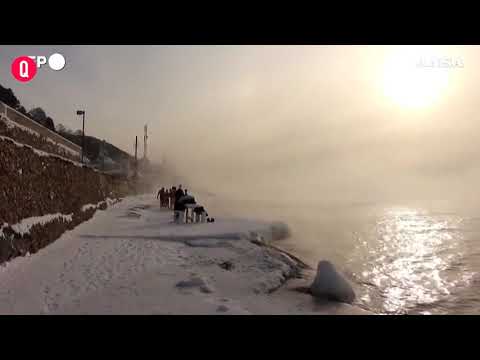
103 155
145 138
82 112
136 163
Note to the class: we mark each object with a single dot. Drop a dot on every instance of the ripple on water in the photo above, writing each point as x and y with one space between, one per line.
414 260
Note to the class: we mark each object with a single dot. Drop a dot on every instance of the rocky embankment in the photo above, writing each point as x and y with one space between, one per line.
26 136
42 195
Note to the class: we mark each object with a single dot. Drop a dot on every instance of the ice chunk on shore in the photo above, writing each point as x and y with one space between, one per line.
331 285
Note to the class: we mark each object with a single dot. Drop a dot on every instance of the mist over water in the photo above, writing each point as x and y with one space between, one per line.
400 260
408 240
315 127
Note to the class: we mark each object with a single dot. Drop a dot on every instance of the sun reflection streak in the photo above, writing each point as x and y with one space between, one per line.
409 259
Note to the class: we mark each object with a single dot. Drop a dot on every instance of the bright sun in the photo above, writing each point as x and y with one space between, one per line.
409 78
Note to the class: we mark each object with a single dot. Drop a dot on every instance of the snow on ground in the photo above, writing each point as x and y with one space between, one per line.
131 259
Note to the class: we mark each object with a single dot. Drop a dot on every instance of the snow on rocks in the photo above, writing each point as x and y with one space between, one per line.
274 271
12 124
2 227
330 284
110 201
255 238
100 204
24 226
87 207
90 206
40 152
65 149
273 232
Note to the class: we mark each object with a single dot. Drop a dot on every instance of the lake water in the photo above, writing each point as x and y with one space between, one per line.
417 259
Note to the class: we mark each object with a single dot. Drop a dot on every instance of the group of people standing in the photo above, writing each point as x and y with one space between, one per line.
178 199
169 197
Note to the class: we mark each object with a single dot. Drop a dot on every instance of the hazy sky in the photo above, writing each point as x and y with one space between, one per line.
353 122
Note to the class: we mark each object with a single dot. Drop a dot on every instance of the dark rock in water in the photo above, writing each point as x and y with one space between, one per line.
330 284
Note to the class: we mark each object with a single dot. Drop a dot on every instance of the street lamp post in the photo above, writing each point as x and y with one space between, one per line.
82 112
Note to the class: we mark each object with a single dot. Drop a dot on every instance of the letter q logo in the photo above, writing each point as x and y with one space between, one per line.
24 68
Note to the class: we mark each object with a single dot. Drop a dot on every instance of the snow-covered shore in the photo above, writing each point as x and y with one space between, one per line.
130 259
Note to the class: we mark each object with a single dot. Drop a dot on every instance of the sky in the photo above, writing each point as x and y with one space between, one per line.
357 123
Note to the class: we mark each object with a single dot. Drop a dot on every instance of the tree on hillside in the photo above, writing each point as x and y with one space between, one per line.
49 123
62 129
22 110
39 115
8 97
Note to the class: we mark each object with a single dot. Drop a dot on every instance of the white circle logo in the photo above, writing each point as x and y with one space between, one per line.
56 62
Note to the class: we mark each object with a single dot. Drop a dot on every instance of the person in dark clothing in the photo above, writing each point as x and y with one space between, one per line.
165 198
178 194
161 196
172 197
200 213
178 208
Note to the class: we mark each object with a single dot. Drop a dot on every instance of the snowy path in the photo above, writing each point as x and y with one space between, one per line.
130 259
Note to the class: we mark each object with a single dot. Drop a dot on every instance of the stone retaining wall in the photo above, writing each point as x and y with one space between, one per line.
34 184
23 129
38 142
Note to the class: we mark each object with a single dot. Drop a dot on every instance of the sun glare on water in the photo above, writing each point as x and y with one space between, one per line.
416 76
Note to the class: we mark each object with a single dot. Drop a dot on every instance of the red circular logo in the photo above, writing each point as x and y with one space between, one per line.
24 68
